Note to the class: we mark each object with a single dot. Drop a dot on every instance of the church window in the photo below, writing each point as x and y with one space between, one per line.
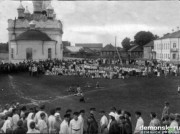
12 53
49 53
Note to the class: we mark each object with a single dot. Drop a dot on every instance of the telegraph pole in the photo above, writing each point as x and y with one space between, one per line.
118 52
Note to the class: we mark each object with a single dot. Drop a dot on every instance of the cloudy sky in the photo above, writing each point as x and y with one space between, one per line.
101 21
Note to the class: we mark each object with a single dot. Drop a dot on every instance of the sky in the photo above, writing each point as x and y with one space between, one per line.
101 21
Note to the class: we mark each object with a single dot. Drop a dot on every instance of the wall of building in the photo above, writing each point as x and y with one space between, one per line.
39 51
167 49
147 53
53 28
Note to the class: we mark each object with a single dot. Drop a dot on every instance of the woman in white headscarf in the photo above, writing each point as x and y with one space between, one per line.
30 118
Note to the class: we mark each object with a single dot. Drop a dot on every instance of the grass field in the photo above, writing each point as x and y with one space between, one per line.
134 93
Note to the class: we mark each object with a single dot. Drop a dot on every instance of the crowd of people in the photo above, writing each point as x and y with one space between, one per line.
17 119
98 68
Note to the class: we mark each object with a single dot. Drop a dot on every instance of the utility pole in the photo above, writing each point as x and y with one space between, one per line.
118 52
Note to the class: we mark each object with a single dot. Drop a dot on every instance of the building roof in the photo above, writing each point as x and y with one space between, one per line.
150 44
171 35
87 50
135 48
90 45
73 49
33 34
108 47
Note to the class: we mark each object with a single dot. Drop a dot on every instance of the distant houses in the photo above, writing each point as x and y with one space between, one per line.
92 46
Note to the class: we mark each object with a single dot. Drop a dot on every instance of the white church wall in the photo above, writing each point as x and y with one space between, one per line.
39 50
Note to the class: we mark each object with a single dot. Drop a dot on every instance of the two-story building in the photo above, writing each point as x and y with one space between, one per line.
167 48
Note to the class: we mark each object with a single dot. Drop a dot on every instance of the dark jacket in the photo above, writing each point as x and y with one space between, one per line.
113 128
19 130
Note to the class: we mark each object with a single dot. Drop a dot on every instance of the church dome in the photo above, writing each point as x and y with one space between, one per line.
50 7
21 7
27 10
33 34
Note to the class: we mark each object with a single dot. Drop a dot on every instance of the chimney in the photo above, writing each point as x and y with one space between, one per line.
172 30
177 28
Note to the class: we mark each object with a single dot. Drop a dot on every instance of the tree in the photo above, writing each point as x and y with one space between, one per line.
142 38
126 43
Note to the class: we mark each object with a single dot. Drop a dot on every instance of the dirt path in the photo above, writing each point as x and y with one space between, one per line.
37 102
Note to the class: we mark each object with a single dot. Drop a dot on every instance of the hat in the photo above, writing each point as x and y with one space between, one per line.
56 114
76 113
112 114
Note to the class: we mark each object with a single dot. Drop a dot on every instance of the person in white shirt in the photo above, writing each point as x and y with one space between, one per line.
51 121
174 123
37 116
15 119
75 124
32 129
81 118
7 124
103 123
42 125
64 127
154 121
113 109
139 124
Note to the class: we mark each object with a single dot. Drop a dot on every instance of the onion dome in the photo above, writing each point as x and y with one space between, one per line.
26 10
20 7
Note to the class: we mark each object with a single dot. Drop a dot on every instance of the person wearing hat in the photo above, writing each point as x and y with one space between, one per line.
75 124
103 122
57 122
165 110
113 125
81 118
139 123
64 127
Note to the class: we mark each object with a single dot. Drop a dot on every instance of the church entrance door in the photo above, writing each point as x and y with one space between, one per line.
29 53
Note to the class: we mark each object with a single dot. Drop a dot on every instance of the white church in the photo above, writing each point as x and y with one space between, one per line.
36 36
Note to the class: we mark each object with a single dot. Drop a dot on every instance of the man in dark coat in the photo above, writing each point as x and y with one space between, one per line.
92 123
